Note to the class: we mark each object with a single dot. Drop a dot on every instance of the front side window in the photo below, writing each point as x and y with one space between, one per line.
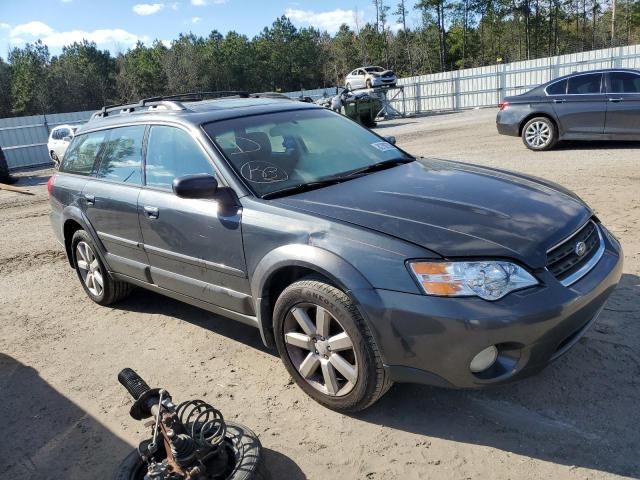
585 84
277 151
122 155
82 153
172 153
624 82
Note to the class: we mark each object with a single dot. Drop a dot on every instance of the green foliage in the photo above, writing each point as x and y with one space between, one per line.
452 34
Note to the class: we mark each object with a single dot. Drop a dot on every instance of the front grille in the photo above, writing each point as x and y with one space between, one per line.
563 261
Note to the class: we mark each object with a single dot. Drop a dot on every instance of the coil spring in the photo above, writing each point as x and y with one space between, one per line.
204 423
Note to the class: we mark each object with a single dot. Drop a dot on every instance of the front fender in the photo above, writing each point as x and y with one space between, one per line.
340 272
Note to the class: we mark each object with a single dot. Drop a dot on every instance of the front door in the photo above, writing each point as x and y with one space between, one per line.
194 246
623 104
582 110
111 198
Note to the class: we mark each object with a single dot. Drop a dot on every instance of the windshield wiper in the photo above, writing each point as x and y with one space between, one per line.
302 187
376 167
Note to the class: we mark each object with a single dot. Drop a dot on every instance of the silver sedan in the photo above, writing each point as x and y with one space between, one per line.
370 77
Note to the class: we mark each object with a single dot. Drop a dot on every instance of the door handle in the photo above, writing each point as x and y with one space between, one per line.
151 212
616 100
558 100
90 198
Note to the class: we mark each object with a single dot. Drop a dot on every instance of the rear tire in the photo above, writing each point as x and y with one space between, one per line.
348 87
5 176
339 366
94 277
55 159
539 134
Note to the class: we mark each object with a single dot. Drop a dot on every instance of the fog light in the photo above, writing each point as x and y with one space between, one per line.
484 359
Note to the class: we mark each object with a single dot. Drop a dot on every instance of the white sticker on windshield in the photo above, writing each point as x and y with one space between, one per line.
383 146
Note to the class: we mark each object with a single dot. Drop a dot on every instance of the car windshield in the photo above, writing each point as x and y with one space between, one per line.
282 151
374 69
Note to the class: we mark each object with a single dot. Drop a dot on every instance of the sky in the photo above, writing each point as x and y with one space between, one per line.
118 24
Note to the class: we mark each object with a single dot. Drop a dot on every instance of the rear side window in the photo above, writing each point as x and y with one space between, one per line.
558 88
624 82
82 153
122 155
585 84
172 153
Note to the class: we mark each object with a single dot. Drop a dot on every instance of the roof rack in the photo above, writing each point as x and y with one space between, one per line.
165 102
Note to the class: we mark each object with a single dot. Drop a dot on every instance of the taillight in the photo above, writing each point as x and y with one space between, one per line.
503 105
50 183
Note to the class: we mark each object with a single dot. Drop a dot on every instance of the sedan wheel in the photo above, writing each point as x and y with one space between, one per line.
89 268
539 134
321 350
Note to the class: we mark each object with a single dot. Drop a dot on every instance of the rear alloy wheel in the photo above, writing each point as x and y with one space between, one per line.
96 281
327 347
539 134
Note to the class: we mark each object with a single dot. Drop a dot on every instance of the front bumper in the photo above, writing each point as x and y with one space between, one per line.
380 81
432 340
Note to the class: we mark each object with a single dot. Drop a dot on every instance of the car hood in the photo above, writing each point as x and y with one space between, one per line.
454 209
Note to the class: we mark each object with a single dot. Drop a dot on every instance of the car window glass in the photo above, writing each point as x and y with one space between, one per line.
558 88
55 135
584 84
122 155
279 150
172 153
63 132
624 82
82 153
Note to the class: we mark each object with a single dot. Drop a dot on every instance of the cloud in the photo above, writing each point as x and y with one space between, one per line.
204 3
31 31
5 26
175 6
195 19
147 8
329 21
66 1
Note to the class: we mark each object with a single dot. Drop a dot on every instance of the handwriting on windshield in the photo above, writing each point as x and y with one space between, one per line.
258 171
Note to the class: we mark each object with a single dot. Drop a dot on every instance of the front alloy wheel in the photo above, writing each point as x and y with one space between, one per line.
321 350
327 346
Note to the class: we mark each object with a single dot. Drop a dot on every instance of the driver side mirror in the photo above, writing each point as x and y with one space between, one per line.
390 139
200 185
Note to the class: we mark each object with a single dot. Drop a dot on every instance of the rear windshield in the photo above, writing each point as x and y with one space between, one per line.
280 150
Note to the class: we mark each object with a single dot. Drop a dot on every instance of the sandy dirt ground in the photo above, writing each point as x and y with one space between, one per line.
65 415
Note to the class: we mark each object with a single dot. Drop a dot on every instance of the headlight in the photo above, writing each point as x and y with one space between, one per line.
490 280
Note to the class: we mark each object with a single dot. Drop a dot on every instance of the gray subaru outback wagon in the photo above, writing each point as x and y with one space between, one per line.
361 264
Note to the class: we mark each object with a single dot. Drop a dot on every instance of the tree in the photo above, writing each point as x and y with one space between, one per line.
140 72
30 79
5 89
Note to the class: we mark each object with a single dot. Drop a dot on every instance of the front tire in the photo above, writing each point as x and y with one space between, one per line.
94 277
327 347
539 134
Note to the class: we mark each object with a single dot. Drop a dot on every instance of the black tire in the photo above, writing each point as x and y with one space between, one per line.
348 87
55 159
372 381
240 440
112 290
534 143
368 83
5 176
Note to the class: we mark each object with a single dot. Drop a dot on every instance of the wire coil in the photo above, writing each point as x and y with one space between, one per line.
204 423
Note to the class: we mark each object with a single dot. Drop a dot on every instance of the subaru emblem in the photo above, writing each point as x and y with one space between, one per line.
581 249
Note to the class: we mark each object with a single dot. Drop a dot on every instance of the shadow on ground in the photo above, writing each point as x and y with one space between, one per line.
45 435
581 411
597 145
144 301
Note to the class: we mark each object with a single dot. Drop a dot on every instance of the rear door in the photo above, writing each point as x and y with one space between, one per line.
582 110
111 199
194 246
623 104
